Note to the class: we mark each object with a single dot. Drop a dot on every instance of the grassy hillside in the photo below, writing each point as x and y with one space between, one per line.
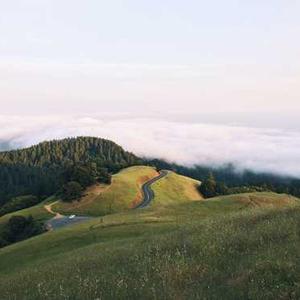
125 192
122 194
258 200
38 212
222 248
174 189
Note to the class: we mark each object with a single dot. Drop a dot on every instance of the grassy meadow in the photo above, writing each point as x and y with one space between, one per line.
235 247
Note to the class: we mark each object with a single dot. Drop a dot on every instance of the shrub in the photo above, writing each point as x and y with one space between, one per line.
71 191
19 228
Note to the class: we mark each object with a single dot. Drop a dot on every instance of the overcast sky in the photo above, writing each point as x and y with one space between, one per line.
88 56
191 81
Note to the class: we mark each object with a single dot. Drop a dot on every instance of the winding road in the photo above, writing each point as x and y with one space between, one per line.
59 220
148 192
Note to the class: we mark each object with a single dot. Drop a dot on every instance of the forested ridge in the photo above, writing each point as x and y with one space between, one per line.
41 170
68 166
73 150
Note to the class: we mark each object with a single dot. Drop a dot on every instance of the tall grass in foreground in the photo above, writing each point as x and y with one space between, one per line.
245 255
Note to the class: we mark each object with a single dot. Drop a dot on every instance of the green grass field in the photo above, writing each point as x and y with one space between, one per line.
223 248
38 212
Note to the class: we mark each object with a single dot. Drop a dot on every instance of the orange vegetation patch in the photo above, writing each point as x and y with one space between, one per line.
139 183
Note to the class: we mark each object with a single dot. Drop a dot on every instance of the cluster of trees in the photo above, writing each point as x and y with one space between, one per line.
19 228
212 188
78 177
230 180
44 169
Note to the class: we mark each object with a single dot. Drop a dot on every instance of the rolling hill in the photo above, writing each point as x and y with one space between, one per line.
180 246
174 189
125 192
221 248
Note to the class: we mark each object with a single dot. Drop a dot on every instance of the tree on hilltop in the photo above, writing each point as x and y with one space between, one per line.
208 187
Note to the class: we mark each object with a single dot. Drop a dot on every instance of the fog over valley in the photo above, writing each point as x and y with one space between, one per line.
260 148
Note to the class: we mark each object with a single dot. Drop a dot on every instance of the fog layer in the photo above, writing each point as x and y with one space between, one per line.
259 149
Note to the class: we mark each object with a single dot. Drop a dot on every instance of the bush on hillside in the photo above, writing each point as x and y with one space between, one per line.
19 228
208 187
71 191
104 176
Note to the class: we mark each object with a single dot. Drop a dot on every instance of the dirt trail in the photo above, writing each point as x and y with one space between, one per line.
48 207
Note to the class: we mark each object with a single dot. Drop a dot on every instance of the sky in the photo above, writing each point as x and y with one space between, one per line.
179 66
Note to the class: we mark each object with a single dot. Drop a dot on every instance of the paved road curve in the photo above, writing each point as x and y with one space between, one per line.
59 221
65 221
148 192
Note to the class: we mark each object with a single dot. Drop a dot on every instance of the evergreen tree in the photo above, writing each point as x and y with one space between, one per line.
19 228
208 187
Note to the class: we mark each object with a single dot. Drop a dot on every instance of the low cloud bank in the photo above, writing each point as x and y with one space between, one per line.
259 149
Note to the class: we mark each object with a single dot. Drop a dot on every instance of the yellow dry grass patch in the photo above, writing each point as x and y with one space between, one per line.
175 188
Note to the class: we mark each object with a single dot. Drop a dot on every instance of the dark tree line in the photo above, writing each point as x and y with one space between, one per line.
44 169
229 180
210 187
80 176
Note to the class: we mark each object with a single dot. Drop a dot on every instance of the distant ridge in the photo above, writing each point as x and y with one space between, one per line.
73 149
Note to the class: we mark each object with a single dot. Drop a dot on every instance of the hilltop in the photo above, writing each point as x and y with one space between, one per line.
125 192
80 149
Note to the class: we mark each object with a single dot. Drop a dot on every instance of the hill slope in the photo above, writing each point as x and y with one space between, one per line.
124 193
212 249
258 200
38 170
174 189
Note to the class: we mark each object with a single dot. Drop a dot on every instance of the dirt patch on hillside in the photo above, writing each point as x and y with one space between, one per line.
48 207
90 194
